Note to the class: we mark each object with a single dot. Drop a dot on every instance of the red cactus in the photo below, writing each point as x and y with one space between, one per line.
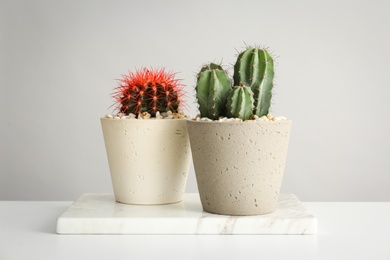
148 91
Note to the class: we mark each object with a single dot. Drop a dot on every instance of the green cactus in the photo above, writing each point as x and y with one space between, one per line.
212 89
255 68
240 102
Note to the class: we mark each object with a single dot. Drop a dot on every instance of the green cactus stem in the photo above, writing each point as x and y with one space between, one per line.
240 102
255 68
212 89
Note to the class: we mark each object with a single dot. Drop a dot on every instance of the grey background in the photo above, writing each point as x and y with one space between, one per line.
59 61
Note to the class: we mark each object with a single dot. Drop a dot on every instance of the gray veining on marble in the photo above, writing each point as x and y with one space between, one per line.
100 214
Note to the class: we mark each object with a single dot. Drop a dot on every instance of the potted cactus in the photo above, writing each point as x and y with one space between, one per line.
239 150
147 141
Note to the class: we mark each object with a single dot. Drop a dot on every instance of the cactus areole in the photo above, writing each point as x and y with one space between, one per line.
148 90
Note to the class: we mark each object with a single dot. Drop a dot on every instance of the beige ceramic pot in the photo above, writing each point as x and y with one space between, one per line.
148 159
239 166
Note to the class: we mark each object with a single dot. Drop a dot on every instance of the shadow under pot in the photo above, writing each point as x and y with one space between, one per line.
148 159
239 166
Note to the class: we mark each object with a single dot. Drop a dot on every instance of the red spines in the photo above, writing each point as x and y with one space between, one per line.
148 90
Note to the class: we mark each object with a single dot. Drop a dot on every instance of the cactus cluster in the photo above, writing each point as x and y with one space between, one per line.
252 90
148 90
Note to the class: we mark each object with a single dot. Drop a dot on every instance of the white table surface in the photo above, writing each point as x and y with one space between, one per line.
346 230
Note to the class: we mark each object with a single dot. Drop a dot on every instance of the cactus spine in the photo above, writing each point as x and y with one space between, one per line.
255 68
240 102
148 91
212 89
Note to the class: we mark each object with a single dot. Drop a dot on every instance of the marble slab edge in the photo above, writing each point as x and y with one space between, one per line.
101 214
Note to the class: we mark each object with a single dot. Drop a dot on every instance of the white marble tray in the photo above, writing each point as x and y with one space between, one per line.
100 214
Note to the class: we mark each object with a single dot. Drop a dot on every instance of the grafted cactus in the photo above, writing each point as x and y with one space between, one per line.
255 68
212 89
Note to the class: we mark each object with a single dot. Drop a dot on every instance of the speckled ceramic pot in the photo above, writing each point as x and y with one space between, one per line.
148 159
239 166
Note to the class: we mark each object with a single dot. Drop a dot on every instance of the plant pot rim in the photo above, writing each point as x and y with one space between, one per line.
244 122
143 120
